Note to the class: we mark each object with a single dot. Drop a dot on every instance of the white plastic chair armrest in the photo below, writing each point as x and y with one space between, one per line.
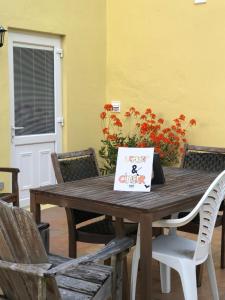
183 221
177 222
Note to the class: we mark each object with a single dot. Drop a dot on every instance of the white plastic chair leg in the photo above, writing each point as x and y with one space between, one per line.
188 279
134 270
212 277
165 277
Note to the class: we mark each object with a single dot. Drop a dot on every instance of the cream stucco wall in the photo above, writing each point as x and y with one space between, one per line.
82 26
170 55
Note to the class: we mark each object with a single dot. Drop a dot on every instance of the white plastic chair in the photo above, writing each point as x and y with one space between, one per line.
183 254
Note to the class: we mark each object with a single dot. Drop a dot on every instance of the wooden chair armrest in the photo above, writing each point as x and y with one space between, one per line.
114 247
9 170
28 269
15 188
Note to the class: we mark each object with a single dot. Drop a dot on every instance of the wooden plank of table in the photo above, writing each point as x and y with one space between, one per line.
180 185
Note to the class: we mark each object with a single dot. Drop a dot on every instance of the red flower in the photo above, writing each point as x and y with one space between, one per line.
153 116
127 114
171 135
132 109
193 122
144 128
157 127
157 150
166 140
141 144
182 117
183 132
179 131
137 113
118 123
108 107
148 111
113 117
152 136
166 130
112 137
105 130
143 117
103 115
161 121
174 127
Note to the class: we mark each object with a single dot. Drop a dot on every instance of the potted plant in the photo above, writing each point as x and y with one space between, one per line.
142 130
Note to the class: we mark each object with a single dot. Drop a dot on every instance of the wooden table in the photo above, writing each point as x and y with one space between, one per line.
182 190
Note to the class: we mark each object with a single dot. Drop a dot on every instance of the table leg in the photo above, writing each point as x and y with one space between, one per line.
146 257
119 228
35 208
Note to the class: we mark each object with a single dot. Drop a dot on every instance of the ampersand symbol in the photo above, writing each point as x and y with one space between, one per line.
134 169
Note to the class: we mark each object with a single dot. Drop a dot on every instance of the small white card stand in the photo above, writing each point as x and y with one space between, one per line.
134 169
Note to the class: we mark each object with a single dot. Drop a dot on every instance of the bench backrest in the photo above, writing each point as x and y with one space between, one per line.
20 242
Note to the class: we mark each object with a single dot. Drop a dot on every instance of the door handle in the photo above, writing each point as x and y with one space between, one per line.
60 120
17 128
13 129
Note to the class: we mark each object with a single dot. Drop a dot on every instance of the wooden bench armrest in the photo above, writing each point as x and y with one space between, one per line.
114 247
29 269
9 170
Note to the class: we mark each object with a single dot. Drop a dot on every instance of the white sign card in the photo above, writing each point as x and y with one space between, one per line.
134 169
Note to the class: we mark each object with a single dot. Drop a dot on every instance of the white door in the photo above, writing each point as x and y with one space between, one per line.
36 116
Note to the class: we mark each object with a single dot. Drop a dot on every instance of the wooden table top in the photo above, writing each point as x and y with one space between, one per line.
181 184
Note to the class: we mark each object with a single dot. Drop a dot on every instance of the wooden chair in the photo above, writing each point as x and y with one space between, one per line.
27 272
78 165
13 196
211 160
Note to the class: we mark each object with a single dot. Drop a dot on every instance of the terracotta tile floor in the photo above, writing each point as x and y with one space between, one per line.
58 244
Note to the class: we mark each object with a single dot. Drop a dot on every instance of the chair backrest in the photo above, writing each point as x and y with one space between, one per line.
210 159
208 208
20 242
75 165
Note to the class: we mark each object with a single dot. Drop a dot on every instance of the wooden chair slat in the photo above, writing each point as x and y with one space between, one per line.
77 285
71 295
20 240
91 272
17 286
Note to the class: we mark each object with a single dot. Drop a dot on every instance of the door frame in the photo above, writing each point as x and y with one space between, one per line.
38 41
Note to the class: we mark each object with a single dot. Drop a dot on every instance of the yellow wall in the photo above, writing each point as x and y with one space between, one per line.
170 55
82 25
